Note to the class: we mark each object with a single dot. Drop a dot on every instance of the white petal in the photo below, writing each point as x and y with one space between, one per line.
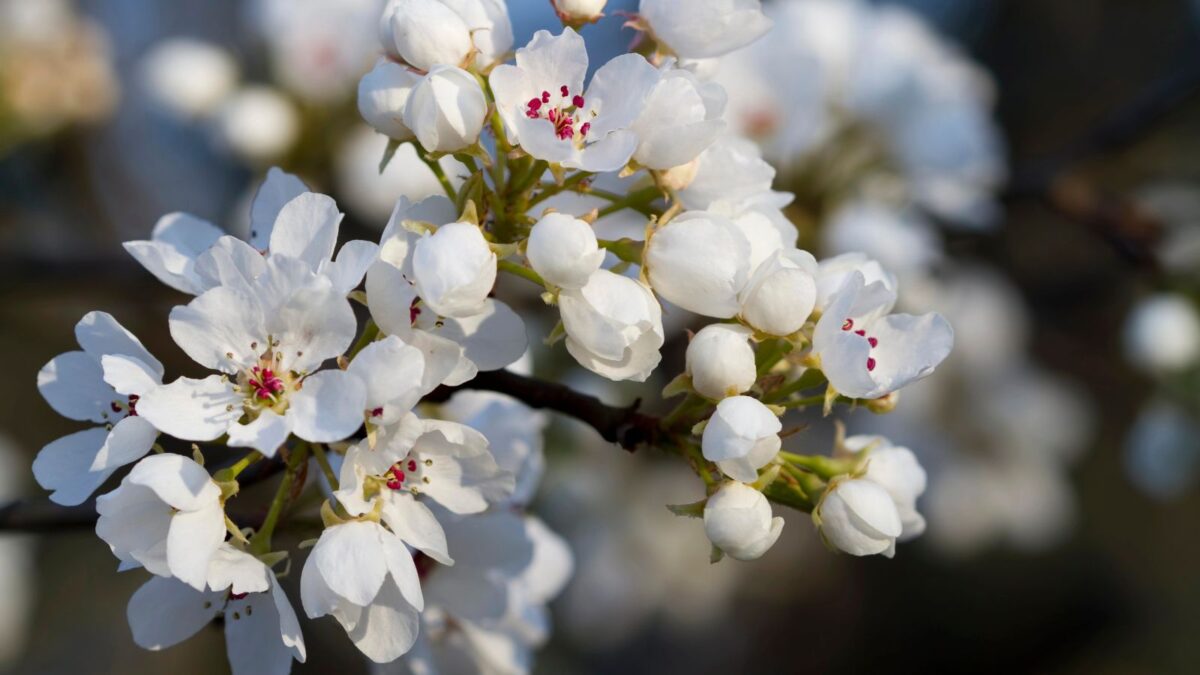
252 637
618 91
73 384
316 324
191 542
492 339
266 433
402 568
230 262
221 322
127 375
177 480
192 410
414 523
99 334
608 154
387 628
551 61
237 571
329 407
392 372
128 441
177 240
64 466
390 297
278 189
307 228
350 561
164 612
353 261
289 626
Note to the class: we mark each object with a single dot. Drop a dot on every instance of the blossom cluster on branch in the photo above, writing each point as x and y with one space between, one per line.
424 546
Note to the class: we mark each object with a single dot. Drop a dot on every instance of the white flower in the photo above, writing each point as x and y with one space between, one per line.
858 517
720 361
705 28
866 352
896 469
737 520
425 33
454 269
446 109
393 375
490 27
266 345
189 77
547 112
563 250
258 123
262 634
514 432
832 274
699 261
614 326
731 170
762 221
741 437
166 516
1163 333
101 384
900 239
682 117
362 575
782 294
383 96
579 11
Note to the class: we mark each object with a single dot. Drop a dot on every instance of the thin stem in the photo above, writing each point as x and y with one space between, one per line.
261 542
820 465
234 470
323 462
370 332
568 184
440 173
638 201
520 271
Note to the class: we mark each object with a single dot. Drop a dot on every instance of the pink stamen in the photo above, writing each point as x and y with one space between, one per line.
564 91
377 412
265 383
414 311
237 596
583 130
577 101
870 364
848 324
545 97
874 342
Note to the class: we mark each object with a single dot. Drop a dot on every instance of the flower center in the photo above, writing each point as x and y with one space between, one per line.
129 407
566 116
266 385
848 325
406 474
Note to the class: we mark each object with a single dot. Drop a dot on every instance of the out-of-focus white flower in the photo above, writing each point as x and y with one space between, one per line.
731 170
737 520
547 112
741 437
166 516
100 384
563 250
614 326
866 352
681 118
577 12
782 294
720 361
514 432
903 242
859 517
446 109
1161 456
189 77
371 194
699 261
898 471
704 28
832 274
1163 333
425 33
454 269
258 123
383 96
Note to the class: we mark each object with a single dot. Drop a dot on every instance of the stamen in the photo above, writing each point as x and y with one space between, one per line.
564 91
848 324
577 101
870 364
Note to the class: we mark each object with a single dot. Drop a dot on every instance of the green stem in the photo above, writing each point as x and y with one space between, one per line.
684 411
820 465
370 332
638 201
810 379
520 271
234 470
323 462
769 353
549 191
261 542
436 167
629 250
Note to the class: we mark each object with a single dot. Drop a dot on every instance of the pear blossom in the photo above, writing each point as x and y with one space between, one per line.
454 269
362 575
1163 333
393 377
383 95
896 469
446 109
720 361
563 250
866 352
859 517
101 384
704 28
782 294
832 274
762 221
262 634
425 33
514 432
613 326
681 118
737 520
189 77
730 170
576 12
741 437
491 28
167 516
699 261
547 112
258 123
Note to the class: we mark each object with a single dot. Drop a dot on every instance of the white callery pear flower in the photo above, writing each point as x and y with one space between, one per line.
720 361
514 432
903 241
262 633
258 123
832 274
699 261
266 347
364 576
446 109
1163 333
579 11
859 517
741 437
895 468
681 118
491 28
393 375
425 33
101 384
547 112
383 96
782 294
700 29
167 516
614 326
563 250
737 520
189 77
454 269
731 170
866 352
762 220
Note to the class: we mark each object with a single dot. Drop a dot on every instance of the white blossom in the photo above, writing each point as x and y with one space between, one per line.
491 28
425 33
446 110
859 517
720 361
579 11
782 294
258 123
383 96
704 28
896 469
681 118
699 261
1162 333
189 77
741 437
563 250
454 269
731 170
614 326
737 520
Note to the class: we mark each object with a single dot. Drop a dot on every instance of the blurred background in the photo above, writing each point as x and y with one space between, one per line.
1030 168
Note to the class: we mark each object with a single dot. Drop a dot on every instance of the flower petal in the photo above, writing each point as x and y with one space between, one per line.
164 612
64 466
128 441
307 228
73 384
192 410
99 334
349 559
392 372
266 433
218 328
329 407
193 540
416 525
278 189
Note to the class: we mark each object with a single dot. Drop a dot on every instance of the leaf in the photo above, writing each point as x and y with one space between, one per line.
388 153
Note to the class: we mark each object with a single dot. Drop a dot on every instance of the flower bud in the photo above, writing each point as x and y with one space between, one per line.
575 12
189 77
704 28
383 94
680 119
720 361
737 520
454 269
859 517
563 249
424 33
897 470
699 261
258 123
780 296
614 326
446 110
1163 333
741 437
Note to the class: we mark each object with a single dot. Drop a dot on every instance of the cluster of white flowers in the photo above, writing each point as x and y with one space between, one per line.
425 548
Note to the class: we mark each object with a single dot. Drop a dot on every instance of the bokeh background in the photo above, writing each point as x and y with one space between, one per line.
1063 502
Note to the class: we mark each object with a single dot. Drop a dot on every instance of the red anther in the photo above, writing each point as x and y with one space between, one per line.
377 412
874 342
394 484
577 101
412 465
860 333
535 103
133 399
587 126
115 407
413 311
237 596
848 324
564 91
870 363
545 97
